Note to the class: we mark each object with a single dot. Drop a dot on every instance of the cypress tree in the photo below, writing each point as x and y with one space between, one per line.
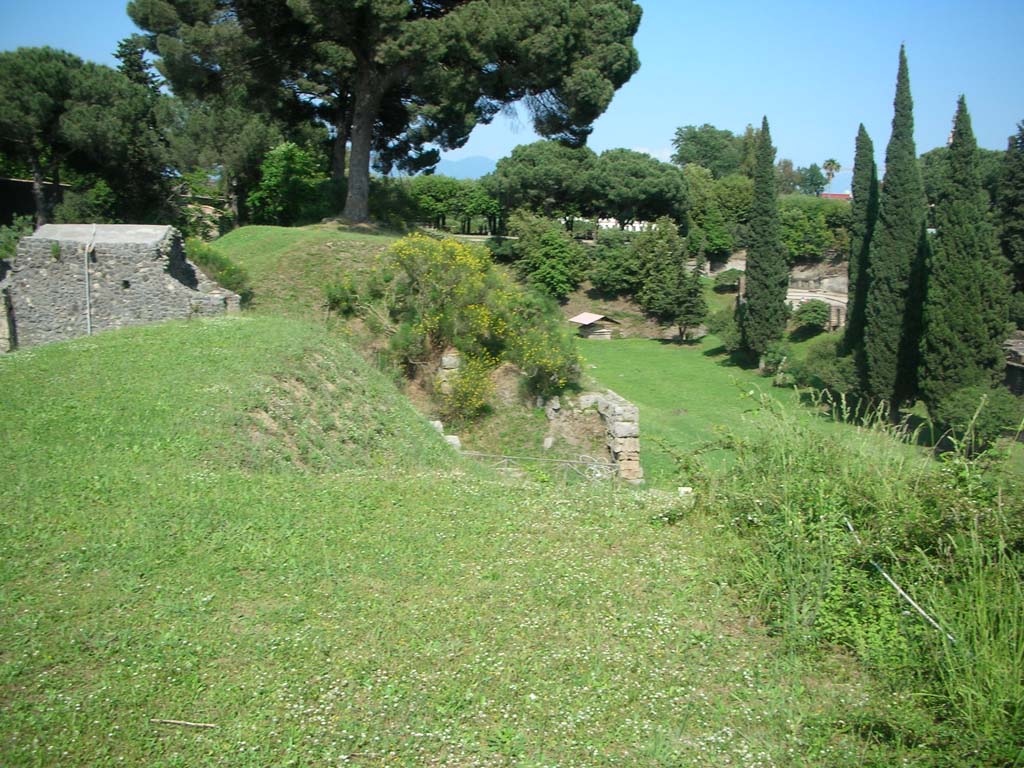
966 306
763 312
863 215
892 314
1011 206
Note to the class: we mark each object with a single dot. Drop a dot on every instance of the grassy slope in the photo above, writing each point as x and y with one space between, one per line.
289 267
168 553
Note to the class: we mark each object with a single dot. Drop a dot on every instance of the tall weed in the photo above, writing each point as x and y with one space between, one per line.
945 531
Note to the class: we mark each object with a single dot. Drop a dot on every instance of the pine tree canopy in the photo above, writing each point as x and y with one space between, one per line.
396 78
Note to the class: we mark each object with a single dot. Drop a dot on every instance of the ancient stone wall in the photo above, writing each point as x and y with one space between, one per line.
622 424
70 280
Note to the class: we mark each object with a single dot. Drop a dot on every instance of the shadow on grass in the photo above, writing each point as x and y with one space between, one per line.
915 429
804 333
675 341
736 359
596 294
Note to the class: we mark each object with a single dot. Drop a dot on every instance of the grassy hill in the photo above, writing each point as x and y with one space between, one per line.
239 522
289 267
690 396
236 522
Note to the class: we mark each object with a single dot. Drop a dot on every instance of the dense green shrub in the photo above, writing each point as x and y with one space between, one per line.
1017 310
813 315
341 297
615 270
814 228
728 280
220 268
470 390
776 357
823 368
502 249
446 293
723 325
554 264
978 415
546 254
291 188
20 227
93 202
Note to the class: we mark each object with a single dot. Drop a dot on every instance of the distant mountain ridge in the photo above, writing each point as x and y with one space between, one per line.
466 167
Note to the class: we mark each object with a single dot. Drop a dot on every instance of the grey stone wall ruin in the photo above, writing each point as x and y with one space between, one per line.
621 421
136 275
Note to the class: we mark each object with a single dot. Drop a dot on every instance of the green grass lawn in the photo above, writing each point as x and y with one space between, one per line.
289 266
236 522
689 396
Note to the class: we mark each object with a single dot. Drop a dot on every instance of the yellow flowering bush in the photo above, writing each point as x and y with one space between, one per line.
449 293
471 389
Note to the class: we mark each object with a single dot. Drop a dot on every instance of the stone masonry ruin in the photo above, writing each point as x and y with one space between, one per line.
71 280
621 421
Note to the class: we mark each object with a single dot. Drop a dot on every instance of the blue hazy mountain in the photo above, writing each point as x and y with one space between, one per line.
466 167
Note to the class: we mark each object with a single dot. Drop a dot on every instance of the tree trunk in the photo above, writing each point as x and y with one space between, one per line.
364 114
340 150
38 191
233 203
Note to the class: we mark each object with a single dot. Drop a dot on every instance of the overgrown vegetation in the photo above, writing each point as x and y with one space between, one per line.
220 268
10 235
237 522
429 294
833 515
291 190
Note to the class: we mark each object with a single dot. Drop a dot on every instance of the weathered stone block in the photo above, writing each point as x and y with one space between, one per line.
624 429
624 444
553 408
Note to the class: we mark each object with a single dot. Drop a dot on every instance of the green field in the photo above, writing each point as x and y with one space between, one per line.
690 396
236 522
239 522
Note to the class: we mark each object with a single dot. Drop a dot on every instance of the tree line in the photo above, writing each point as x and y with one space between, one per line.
387 81
933 269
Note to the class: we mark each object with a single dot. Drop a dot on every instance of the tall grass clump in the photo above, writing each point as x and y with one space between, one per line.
220 268
824 519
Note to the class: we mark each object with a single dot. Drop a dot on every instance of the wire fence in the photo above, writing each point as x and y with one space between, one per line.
586 467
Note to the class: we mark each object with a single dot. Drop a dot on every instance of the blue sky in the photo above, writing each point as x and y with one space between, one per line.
816 69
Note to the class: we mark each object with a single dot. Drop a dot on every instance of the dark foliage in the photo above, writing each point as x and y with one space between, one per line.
763 312
892 326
